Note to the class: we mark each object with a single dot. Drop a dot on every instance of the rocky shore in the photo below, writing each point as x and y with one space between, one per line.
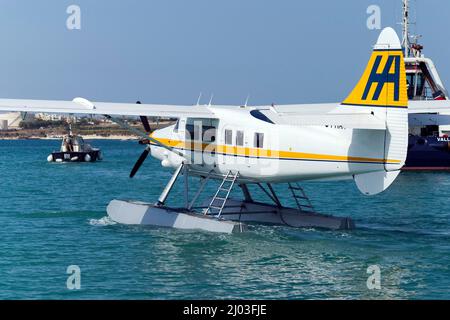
87 132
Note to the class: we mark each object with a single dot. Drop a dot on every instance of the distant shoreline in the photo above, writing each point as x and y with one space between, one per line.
85 137
88 132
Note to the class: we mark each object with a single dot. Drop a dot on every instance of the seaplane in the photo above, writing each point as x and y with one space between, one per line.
364 138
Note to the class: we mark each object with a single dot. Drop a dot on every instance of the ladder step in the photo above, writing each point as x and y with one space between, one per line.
216 205
219 198
300 196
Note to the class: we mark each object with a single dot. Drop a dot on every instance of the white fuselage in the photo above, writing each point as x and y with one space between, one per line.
285 152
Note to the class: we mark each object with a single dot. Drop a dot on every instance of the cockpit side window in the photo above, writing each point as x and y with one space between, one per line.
193 132
209 133
199 129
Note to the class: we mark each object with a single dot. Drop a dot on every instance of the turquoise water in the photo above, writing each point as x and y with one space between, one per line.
53 216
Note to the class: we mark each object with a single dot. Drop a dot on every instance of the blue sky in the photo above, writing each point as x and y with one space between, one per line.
167 51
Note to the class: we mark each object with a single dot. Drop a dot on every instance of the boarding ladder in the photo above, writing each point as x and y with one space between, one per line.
301 199
223 192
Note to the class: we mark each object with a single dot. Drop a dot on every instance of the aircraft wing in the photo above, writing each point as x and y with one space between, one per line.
322 115
112 110
82 106
414 106
429 112
429 106
345 120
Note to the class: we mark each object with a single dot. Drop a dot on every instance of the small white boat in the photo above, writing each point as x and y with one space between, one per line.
75 149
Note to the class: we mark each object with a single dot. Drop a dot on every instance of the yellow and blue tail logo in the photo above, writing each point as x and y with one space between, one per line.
383 83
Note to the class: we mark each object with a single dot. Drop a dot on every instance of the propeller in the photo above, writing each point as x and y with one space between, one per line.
147 127
146 124
140 161
146 152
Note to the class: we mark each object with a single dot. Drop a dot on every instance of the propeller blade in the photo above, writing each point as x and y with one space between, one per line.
140 161
146 124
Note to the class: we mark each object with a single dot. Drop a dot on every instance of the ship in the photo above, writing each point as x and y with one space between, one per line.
75 149
428 145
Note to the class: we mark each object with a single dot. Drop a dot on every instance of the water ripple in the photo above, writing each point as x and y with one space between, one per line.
54 216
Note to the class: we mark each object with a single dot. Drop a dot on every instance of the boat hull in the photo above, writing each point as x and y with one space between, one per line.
94 155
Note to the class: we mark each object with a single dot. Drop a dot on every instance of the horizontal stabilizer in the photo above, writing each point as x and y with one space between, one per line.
429 106
426 119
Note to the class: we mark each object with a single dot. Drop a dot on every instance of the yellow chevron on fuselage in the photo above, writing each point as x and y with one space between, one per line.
383 83
265 153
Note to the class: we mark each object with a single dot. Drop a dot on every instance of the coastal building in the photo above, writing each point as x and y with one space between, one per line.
55 117
11 120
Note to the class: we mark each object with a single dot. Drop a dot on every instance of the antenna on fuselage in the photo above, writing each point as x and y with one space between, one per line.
246 100
210 100
199 98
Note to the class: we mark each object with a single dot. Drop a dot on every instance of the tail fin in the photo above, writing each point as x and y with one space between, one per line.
383 89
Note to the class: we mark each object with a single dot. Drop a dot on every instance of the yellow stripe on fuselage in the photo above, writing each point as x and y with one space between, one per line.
264 153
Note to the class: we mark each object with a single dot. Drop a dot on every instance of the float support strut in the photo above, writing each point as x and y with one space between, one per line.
163 197
246 192
204 181
186 187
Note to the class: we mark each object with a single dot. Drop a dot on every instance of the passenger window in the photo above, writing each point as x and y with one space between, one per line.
228 137
240 138
259 140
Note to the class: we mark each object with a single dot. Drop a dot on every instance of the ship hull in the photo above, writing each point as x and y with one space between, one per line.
428 154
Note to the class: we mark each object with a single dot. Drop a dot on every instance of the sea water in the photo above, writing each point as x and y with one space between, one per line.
53 216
